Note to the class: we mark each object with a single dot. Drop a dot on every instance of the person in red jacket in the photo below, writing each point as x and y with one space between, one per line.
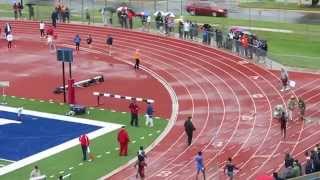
134 113
84 142
123 139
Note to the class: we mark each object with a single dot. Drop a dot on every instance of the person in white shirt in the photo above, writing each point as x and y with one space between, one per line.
42 27
9 39
186 29
35 172
19 113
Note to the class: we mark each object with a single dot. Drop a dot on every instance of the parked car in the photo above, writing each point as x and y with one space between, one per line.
205 8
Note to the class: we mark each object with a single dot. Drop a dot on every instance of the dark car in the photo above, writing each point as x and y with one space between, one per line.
205 8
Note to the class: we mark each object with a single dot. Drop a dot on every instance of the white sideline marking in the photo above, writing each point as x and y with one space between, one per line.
32 99
70 168
8 121
99 156
150 134
41 100
113 110
142 137
61 172
108 152
52 176
116 148
133 142
22 98
105 128
7 160
124 112
80 164
91 108
13 96
101 109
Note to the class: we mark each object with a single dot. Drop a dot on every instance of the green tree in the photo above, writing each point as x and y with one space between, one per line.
314 2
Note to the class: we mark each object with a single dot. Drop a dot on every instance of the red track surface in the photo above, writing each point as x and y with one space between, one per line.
231 109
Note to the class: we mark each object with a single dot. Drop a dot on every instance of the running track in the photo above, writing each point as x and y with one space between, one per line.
230 100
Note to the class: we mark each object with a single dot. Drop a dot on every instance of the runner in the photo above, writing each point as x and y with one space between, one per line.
109 42
136 57
50 39
230 169
199 165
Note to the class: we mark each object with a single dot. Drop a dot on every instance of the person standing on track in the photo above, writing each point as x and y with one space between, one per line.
284 79
84 142
141 165
109 42
230 167
134 113
200 165
302 108
77 41
9 39
291 106
283 124
136 57
189 128
123 139
89 41
42 27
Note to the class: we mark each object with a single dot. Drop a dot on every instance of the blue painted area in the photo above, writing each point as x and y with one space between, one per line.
36 134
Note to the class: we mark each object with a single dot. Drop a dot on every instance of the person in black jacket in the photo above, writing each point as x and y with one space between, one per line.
54 17
189 128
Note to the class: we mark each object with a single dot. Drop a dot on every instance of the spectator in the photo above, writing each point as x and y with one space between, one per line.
276 176
299 165
229 169
288 160
189 128
88 17
186 29
15 11
54 17
67 14
295 170
219 38
84 142
123 140
288 172
134 113
20 7
149 115
35 172
104 16
180 29
159 21
130 19
309 168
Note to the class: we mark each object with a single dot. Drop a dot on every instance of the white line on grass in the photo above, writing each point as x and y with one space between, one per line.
105 128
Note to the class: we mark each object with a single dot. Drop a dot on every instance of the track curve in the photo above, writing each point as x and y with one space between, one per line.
230 100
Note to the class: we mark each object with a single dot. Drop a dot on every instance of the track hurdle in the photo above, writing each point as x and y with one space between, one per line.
99 95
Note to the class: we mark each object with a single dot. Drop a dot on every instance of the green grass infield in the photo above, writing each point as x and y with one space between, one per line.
103 147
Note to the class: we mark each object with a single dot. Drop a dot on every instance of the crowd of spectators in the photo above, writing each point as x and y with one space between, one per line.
293 168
